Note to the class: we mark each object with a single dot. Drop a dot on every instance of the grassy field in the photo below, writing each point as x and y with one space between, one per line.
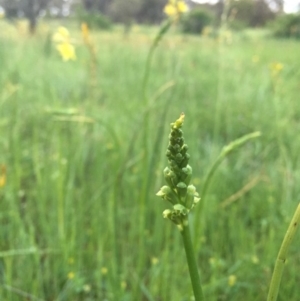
79 219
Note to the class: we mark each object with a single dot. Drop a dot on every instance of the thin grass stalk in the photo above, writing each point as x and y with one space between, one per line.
282 256
224 153
157 144
144 191
114 227
163 30
220 87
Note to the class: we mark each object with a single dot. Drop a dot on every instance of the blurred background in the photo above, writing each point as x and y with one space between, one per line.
86 100
243 13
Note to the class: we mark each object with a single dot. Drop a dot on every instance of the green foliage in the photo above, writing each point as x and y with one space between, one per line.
151 11
124 11
94 19
74 198
237 25
241 11
248 13
287 26
195 21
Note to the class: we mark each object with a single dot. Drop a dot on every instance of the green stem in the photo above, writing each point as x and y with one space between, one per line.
281 258
144 191
162 31
221 73
192 263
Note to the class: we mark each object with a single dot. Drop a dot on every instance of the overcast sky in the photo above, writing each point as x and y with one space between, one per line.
290 6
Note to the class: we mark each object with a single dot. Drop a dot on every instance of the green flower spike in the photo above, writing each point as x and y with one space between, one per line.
178 175
182 196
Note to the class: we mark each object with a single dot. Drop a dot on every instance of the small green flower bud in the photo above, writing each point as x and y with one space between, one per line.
174 178
173 140
173 165
185 160
191 189
184 149
192 197
178 158
160 192
167 171
180 141
170 177
164 190
179 132
171 148
189 200
196 200
182 189
173 216
180 210
168 194
181 185
176 147
167 213
188 171
177 215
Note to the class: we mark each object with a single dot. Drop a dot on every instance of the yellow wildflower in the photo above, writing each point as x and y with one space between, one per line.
231 280
154 260
67 51
276 68
63 44
174 8
3 176
85 32
62 35
170 10
182 7
71 275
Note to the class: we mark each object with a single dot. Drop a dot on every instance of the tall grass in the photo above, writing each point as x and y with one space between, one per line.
70 212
